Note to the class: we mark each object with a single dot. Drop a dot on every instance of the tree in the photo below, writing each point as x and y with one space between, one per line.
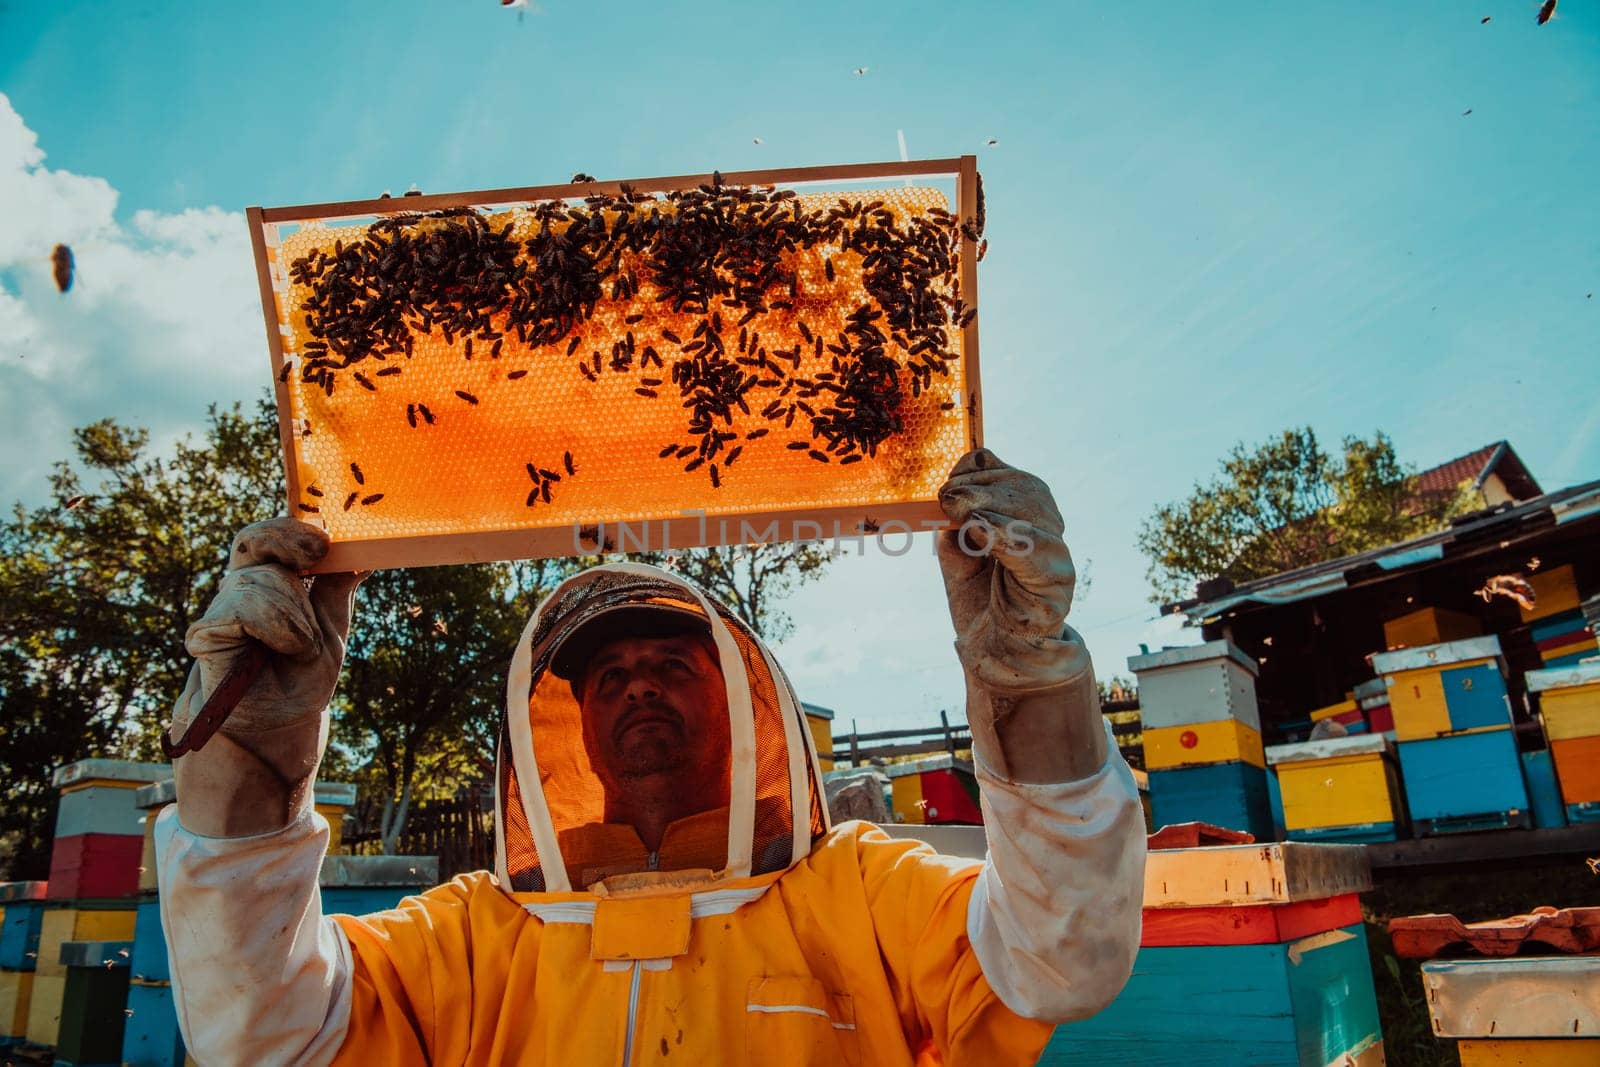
96 592
1286 504
98 589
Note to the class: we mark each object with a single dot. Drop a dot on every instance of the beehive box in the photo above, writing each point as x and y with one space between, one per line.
1436 690
939 789
62 925
1563 640
1466 781
1202 743
1544 792
1248 954
19 933
1202 683
1555 593
819 720
16 991
1534 1010
1373 696
93 1002
1347 713
99 827
151 1037
1569 707
1429 626
516 373
1233 795
44 1008
1339 788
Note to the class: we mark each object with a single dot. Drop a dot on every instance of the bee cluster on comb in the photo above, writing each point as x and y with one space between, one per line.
447 351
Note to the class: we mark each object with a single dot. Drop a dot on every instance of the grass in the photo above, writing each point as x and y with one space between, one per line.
1485 891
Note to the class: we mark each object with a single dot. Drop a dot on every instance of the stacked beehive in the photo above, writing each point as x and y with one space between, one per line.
1569 706
1373 696
1338 789
1346 713
1556 622
94 876
1250 954
151 1038
22 908
939 789
1202 737
99 828
1458 751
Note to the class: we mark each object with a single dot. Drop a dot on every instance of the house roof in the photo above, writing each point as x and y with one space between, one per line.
1475 467
1496 527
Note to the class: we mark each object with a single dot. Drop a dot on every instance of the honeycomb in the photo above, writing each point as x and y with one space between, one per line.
411 430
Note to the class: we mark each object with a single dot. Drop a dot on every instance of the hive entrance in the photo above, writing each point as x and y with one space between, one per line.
459 382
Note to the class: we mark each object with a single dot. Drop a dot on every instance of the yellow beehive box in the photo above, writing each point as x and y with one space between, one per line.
1569 700
1336 782
1429 626
16 989
44 1008
73 924
1529 1052
1199 743
1555 591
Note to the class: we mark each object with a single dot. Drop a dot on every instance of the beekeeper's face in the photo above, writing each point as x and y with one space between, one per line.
656 706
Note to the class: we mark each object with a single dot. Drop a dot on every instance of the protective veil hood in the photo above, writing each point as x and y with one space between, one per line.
550 834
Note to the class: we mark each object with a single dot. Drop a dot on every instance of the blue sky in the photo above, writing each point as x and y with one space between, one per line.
1207 223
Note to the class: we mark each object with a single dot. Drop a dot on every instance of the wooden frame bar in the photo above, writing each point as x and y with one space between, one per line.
827 524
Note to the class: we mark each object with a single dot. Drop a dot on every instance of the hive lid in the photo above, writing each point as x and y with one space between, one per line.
1177 657
115 770
1524 996
625 366
1586 673
19 891
1279 873
942 762
1328 748
1441 655
165 791
1372 687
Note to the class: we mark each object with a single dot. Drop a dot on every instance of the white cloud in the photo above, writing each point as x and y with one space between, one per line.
163 317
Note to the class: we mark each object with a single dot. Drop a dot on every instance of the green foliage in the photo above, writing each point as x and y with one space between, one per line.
98 588
1285 504
96 592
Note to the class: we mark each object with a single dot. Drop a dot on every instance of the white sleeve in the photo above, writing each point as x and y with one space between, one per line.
259 977
1055 915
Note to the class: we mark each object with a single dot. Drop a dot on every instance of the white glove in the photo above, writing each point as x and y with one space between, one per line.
1008 577
258 770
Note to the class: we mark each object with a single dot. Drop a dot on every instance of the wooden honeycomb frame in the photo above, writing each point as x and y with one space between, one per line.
544 533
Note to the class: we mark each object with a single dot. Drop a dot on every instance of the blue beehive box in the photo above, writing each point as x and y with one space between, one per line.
149 944
151 1038
1544 794
19 934
1306 1002
1470 781
1232 795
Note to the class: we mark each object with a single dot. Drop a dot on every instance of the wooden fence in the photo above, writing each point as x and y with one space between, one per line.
459 831
859 749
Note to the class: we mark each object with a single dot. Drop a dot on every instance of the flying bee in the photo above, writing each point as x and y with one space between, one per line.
61 265
1547 11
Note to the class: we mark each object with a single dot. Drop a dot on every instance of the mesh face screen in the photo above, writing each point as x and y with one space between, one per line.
623 359
572 789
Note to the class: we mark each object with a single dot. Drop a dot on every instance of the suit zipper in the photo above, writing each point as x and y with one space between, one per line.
633 1013
633 991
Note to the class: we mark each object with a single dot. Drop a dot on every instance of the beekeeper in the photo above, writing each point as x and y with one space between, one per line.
667 885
